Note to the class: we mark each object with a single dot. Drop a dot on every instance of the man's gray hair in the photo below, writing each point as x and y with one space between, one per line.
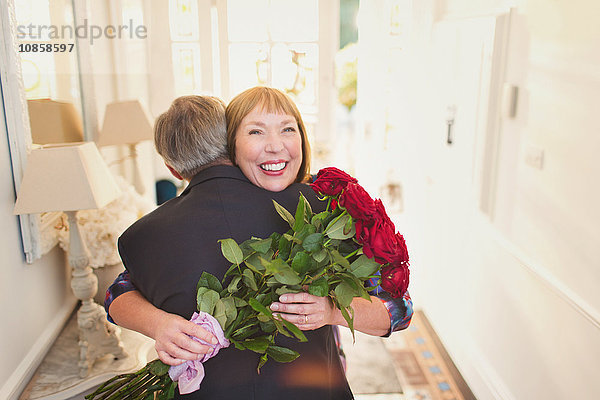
192 133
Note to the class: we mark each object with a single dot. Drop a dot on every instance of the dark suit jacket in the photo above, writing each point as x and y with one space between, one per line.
167 250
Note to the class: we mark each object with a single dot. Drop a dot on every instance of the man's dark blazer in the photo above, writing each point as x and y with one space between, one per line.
166 251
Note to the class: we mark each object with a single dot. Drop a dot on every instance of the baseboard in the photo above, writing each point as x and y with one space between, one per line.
478 373
491 381
19 379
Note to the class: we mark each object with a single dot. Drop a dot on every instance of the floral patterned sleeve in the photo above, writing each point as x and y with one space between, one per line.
122 284
399 309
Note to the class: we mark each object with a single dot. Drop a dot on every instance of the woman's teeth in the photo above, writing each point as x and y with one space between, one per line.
273 167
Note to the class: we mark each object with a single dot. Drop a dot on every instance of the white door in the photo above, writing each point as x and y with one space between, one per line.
463 70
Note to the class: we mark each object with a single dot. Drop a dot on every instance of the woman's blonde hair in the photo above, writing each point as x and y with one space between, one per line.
269 100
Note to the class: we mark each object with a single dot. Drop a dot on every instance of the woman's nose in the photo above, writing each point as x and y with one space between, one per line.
274 144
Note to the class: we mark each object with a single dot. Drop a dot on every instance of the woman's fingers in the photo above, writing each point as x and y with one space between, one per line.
303 309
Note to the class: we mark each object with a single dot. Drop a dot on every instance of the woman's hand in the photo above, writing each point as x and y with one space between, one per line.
306 311
173 342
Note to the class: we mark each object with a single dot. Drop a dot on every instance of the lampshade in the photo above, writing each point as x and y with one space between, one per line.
65 177
54 121
125 122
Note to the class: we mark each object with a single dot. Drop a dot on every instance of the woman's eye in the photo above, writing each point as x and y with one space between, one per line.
289 129
254 132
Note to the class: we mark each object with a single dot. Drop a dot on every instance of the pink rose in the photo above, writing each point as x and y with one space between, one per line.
190 374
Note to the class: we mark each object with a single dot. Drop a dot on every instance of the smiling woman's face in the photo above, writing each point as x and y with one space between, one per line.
268 149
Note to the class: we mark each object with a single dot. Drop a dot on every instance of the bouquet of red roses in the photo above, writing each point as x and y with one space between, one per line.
331 253
374 229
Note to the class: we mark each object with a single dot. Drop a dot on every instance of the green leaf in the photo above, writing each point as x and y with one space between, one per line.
320 255
231 270
281 328
245 332
287 289
206 299
287 276
313 242
262 361
317 219
209 281
253 262
249 280
344 294
335 229
308 212
258 344
239 303
171 391
294 329
299 217
319 287
238 344
230 310
305 231
275 265
285 214
302 262
284 246
220 314
158 368
257 306
268 326
262 246
231 251
246 247
339 259
349 319
282 354
363 267
233 285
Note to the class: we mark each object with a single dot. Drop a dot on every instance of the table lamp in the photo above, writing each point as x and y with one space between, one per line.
126 122
71 177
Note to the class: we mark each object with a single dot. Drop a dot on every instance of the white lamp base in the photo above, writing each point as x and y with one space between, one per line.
96 336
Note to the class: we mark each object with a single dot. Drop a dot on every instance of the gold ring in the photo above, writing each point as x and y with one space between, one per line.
306 318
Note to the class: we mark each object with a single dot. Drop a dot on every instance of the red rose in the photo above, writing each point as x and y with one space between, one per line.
394 280
377 235
331 181
358 203
401 256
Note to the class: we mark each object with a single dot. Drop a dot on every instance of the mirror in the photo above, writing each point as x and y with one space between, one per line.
42 94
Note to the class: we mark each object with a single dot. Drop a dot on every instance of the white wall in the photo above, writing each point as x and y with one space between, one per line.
516 301
35 299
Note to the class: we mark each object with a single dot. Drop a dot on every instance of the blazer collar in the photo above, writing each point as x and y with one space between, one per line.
216 171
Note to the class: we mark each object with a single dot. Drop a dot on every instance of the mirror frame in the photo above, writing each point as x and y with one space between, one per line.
38 231
17 124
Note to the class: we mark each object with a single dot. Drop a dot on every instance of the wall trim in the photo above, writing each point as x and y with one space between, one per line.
23 373
488 376
542 274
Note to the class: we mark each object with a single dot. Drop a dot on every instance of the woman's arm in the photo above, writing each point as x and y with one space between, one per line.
312 312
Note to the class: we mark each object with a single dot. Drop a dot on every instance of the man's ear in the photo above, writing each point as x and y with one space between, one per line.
174 173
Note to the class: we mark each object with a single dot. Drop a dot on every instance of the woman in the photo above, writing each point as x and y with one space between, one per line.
267 140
